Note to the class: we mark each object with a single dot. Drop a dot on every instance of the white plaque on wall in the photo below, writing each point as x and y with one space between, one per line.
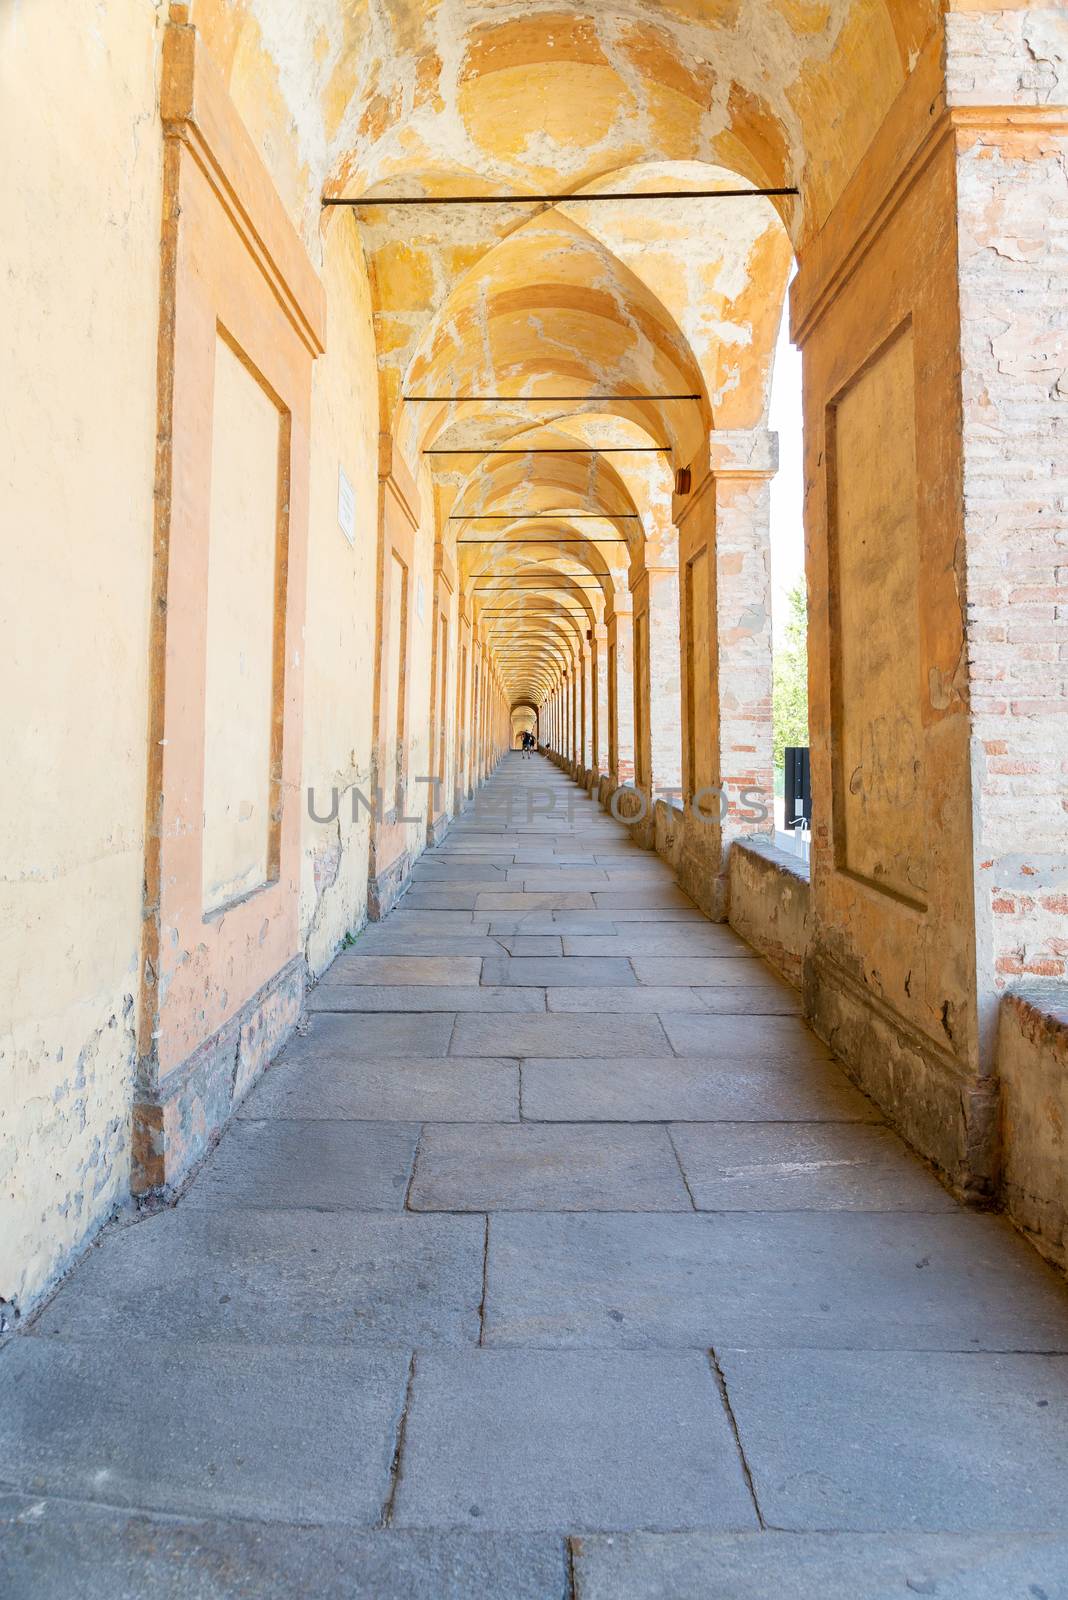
346 506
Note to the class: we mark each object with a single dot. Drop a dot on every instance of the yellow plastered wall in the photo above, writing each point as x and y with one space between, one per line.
340 622
79 301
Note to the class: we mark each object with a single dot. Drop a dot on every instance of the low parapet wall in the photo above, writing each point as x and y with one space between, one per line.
769 905
1033 1070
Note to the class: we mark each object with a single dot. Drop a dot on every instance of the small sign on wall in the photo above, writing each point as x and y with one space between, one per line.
420 598
346 506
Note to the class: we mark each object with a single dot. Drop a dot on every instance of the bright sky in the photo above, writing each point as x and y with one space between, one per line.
787 487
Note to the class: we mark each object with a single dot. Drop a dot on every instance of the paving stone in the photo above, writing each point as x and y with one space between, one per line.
519 900
304 1433
473 882
796 1281
533 945
56 1550
387 940
708 971
352 967
423 997
541 1440
538 1167
419 898
366 1035
819 1566
800 1166
394 1090
563 875
667 939
643 913
635 999
654 898
777 1000
691 1089
761 1038
535 923
444 870
551 858
559 970
604 924
410 921
331 1166
876 1440
558 1035
281 1277
635 1281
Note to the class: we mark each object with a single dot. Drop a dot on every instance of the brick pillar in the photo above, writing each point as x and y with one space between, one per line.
620 631
725 596
657 704
573 711
586 720
1012 247
930 314
599 697
461 774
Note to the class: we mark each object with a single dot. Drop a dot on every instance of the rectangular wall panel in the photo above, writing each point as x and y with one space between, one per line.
641 679
876 650
699 751
394 714
241 624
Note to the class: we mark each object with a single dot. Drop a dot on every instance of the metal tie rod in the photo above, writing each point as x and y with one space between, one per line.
530 399
590 538
551 450
555 199
545 516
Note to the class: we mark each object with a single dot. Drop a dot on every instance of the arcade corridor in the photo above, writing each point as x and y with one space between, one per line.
405 1192
553 1257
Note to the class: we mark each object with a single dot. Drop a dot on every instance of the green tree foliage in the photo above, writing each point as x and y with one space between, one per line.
789 691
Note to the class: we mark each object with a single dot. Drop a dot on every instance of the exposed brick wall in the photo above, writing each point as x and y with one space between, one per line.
1012 176
743 582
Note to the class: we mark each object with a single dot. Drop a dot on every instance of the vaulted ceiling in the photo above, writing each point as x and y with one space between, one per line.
626 298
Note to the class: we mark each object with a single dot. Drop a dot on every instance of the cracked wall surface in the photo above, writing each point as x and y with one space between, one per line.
78 316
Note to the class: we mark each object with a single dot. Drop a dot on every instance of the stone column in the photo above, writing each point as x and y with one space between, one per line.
725 625
572 713
443 696
657 704
599 697
620 632
586 718
462 791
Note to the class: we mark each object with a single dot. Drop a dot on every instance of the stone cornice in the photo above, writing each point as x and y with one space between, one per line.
395 479
918 124
197 112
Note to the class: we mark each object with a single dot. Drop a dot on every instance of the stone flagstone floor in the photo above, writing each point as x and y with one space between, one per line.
552 1257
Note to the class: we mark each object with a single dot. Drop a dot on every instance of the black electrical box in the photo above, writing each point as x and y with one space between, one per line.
798 787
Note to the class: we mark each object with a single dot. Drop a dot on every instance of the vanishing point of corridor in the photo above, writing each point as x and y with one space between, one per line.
552 1257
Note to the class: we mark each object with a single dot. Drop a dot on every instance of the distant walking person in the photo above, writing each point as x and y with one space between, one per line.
528 745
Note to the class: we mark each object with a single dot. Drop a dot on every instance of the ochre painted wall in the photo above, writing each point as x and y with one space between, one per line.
339 628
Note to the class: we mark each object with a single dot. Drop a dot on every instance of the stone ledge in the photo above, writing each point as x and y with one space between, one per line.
770 904
1032 1061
